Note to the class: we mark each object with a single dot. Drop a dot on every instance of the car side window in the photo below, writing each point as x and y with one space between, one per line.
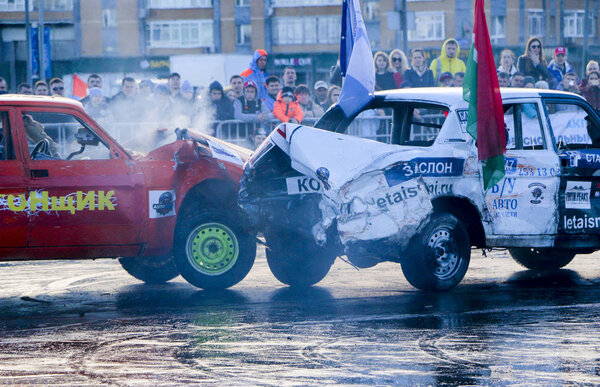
61 136
6 144
374 124
523 126
572 126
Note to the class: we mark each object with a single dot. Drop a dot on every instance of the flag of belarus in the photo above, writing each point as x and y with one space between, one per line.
481 90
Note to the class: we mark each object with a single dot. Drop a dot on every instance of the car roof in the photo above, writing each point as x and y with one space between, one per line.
19 99
454 95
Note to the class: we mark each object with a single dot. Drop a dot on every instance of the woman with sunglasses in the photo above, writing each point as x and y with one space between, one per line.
532 63
398 65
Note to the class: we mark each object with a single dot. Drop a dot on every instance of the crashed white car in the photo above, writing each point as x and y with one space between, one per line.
404 185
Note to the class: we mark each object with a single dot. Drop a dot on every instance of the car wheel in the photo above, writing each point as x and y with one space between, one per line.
211 250
542 259
297 261
438 257
151 270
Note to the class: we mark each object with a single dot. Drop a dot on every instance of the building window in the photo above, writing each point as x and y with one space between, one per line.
174 4
536 23
57 5
109 17
371 11
14 5
243 34
306 30
498 27
428 26
180 34
574 24
242 3
302 3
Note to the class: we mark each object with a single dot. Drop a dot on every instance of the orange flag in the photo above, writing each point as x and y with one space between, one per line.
79 87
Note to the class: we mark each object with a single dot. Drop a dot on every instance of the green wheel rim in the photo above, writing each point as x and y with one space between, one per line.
212 248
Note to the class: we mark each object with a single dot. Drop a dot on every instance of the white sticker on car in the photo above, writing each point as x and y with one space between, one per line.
162 203
303 185
225 153
577 194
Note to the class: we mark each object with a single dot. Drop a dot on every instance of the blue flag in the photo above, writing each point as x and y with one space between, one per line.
356 60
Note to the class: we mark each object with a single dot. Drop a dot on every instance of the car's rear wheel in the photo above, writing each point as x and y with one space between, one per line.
542 258
211 250
151 270
438 257
297 261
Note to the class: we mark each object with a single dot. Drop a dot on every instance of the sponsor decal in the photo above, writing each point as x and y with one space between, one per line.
577 194
505 187
40 201
574 158
426 167
222 152
303 185
162 203
323 175
406 192
537 192
510 165
581 223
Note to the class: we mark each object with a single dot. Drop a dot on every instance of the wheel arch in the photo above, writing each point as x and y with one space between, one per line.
215 193
466 212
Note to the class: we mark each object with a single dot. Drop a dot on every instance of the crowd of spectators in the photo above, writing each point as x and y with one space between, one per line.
258 99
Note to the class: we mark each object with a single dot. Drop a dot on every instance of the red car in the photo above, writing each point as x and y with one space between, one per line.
69 190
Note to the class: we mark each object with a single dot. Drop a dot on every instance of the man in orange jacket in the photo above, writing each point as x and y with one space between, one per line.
286 108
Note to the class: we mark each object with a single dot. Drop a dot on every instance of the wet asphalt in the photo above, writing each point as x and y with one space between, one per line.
89 323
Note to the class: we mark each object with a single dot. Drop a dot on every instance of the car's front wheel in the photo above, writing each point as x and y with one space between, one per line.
438 257
297 261
151 270
211 250
542 258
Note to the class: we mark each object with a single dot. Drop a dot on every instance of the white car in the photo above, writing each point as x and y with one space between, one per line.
405 185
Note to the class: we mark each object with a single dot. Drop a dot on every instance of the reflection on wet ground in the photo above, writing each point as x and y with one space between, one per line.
502 326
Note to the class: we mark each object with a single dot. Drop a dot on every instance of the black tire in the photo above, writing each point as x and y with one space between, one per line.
438 257
543 258
297 261
151 270
212 251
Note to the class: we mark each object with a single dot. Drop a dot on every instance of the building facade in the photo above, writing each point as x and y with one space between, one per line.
141 35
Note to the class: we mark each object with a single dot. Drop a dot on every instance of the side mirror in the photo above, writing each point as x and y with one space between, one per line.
85 137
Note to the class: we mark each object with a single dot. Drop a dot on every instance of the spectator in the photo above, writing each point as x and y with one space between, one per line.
542 85
3 86
569 83
448 60
558 66
258 136
289 77
309 108
333 95
532 63
528 82
146 88
222 105
124 104
174 84
446 79
24 88
384 79
591 66
273 89
458 79
41 88
249 107
507 62
163 103
185 103
94 80
321 98
503 79
237 84
518 80
257 72
419 75
591 90
229 93
97 107
335 74
398 65
57 87
286 108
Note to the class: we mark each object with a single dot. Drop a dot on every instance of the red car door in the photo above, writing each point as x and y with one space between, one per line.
13 187
81 192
